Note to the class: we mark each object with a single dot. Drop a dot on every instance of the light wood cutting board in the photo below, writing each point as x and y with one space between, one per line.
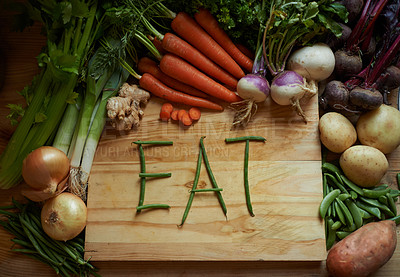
285 186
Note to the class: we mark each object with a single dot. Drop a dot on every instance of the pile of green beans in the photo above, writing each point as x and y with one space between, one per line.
22 220
347 207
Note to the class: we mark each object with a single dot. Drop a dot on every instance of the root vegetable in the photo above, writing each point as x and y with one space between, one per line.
45 170
288 88
337 133
125 109
336 95
315 63
254 89
347 64
366 99
364 251
380 128
64 217
364 165
335 42
354 7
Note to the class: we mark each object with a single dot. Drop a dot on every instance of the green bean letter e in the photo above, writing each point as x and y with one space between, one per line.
143 175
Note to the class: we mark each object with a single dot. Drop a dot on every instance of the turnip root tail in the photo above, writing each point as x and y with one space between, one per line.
311 89
244 111
296 106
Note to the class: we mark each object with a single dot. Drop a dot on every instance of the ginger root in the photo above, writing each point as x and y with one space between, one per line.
124 109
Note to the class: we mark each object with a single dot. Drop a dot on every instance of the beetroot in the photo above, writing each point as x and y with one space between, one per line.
346 64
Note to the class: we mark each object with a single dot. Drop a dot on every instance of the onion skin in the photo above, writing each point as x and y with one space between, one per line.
45 168
64 217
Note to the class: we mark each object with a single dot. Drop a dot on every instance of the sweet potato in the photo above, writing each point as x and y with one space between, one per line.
364 251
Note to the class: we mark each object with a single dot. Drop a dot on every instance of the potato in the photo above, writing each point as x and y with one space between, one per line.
364 251
336 132
364 165
380 128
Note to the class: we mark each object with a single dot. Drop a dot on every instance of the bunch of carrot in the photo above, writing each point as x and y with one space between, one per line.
184 117
199 64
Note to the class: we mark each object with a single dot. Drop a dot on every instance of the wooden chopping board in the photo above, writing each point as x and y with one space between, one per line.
285 186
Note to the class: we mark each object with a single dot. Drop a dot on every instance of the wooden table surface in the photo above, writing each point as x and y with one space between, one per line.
18 51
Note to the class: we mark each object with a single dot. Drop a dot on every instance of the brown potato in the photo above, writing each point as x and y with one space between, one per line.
364 165
364 251
336 132
380 128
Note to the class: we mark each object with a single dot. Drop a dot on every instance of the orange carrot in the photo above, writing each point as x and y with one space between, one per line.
181 70
158 44
181 48
181 113
194 113
167 107
157 88
174 115
164 115
186 120
211 25
147 65
187 28
245 50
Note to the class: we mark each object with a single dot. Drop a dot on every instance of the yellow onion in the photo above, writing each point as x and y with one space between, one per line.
64 216
45 170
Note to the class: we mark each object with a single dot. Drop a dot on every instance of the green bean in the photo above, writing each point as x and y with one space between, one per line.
154 142
377 204
245 138
394 193
153 206
324 185
381 187
375 193
383 200
330 167
206 190
194 186
154 175
336 183
350 228
339 213
7 213
331 235
398 180
355 212
327 201
44 244
351 185
371 209
346 212
396 219
342 234
336 225
391 204
354 195
344 196
37 246
246 178
364 213
9 207
22 243
142 180
211 175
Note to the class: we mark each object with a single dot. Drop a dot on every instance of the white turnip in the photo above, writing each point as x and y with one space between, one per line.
288 87
253 89
315 63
